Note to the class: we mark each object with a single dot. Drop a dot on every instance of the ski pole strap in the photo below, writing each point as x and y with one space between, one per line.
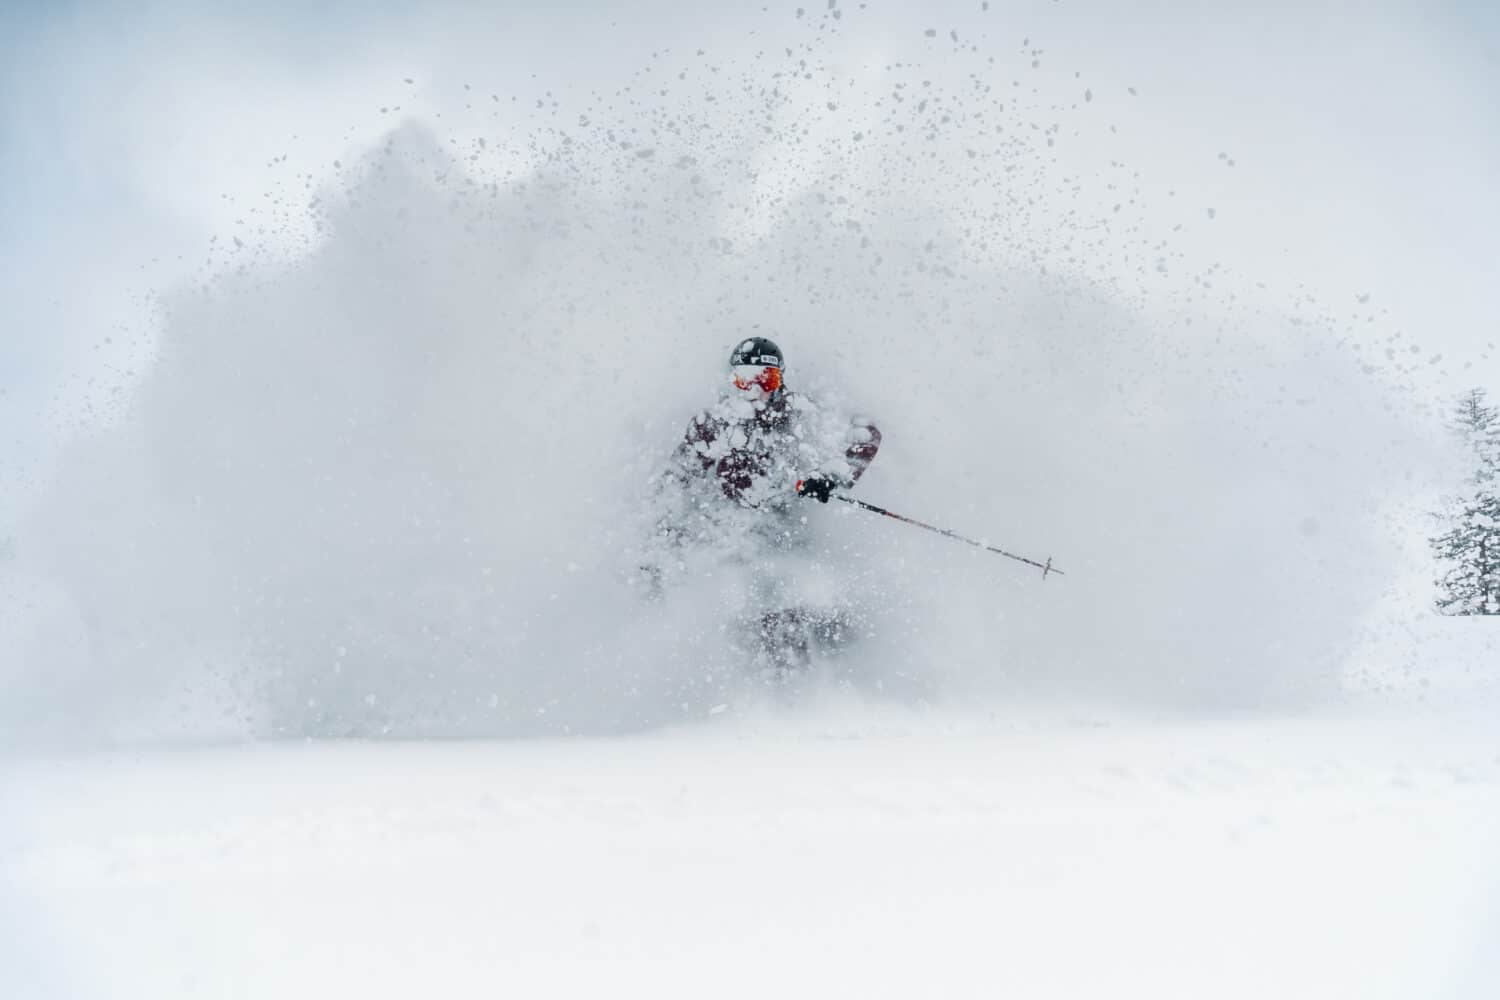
1046 567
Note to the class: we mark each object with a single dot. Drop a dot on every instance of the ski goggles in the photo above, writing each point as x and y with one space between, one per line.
767 377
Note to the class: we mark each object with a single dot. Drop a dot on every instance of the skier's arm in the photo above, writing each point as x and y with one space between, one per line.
692 457
695 453
670 497
864 442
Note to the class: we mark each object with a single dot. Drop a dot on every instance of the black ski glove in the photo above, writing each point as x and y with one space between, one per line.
818 487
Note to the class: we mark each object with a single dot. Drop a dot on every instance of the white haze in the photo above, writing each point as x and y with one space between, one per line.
376 465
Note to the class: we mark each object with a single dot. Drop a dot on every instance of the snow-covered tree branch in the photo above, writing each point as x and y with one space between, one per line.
1468 547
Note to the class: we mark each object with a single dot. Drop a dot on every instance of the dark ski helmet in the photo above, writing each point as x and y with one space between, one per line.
756 351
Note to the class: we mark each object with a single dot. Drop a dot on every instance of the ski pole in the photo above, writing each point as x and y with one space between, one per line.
1044 567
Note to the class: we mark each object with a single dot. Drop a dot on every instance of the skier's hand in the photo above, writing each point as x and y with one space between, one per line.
818 487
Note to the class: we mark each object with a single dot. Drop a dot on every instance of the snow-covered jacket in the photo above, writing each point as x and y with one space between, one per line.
757 454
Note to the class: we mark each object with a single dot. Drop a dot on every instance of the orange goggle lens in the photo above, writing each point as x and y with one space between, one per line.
745 376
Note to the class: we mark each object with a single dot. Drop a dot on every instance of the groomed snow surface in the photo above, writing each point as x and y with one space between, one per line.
826 848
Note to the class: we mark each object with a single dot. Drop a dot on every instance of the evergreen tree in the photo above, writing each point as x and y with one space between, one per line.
1469 549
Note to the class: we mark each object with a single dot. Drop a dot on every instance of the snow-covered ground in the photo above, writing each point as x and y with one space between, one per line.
832 849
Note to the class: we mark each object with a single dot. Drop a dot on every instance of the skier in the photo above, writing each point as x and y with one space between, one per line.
735 481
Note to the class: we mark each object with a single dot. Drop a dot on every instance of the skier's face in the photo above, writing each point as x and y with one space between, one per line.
754 382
